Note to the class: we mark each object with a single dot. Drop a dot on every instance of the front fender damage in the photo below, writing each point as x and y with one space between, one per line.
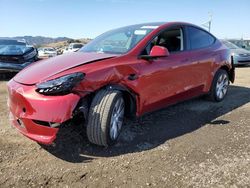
112 78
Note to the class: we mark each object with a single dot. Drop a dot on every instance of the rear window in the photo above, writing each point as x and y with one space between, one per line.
199 38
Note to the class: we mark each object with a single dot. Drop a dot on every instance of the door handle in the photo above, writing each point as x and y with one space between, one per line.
132 77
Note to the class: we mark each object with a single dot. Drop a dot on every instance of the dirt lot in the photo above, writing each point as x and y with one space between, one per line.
193 144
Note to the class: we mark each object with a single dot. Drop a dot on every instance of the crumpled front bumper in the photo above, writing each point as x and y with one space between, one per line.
36 132
28 108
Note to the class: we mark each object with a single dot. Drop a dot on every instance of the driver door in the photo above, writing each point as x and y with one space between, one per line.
165 80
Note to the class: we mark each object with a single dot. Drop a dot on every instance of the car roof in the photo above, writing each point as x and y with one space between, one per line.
161 24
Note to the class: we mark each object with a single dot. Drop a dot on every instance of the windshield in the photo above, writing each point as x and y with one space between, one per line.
11 42
118 41
13 49
229 44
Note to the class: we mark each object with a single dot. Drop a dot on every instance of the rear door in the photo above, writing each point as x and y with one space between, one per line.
202 56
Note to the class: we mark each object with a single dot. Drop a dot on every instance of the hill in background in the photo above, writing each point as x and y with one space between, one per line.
40 41
65 43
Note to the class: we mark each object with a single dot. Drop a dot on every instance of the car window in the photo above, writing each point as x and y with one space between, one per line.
199 39
172 39
49 49
77 45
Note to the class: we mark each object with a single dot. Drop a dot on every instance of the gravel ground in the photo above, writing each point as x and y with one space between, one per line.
196 143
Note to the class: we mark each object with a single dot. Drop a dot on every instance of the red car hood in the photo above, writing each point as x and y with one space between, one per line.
44 69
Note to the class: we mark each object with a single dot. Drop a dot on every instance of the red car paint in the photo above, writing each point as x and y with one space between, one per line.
159 82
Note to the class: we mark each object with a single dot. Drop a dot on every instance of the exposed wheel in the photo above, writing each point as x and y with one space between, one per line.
105 118
219 86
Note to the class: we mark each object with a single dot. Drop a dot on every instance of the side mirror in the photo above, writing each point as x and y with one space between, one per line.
156 51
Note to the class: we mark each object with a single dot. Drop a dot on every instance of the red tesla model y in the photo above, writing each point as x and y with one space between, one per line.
124 72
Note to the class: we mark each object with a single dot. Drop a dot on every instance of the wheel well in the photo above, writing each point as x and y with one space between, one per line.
225 68
130 104
229 71
129 97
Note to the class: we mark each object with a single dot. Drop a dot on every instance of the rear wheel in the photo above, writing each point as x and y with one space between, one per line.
105 117
219 86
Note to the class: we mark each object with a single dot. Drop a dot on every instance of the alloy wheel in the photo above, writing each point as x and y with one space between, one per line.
116 119
222 86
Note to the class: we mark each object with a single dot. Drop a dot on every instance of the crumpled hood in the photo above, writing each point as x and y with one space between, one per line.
44 69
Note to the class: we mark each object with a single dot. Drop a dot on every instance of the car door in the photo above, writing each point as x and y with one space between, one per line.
163 81
202 56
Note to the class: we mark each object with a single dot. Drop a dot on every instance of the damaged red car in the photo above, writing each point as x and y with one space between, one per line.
125 72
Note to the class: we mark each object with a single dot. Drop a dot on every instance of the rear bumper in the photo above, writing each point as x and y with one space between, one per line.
27 108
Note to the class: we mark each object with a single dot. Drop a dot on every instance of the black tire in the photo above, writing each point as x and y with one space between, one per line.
99 118
213 94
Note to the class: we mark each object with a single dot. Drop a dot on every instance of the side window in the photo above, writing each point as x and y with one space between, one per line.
199 39
172 39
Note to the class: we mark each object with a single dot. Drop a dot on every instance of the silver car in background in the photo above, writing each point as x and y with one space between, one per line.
240 56
46 52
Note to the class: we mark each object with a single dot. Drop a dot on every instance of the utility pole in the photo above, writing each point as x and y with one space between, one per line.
210 21
208 24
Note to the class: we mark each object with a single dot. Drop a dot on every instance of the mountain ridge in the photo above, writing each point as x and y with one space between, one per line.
38 40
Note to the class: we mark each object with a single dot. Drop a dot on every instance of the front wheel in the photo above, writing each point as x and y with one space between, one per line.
105 117
219 86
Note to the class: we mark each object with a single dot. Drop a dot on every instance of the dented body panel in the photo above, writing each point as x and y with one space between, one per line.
152 84
26 106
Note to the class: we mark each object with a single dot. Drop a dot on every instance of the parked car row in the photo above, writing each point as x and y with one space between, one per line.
17 54
73 47
47 52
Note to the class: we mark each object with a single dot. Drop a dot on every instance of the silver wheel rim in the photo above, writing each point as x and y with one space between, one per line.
116 119
222 86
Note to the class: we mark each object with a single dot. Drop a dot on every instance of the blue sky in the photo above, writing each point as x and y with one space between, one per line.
89 18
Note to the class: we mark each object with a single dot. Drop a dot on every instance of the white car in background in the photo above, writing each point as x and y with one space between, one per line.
47 52
73 47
